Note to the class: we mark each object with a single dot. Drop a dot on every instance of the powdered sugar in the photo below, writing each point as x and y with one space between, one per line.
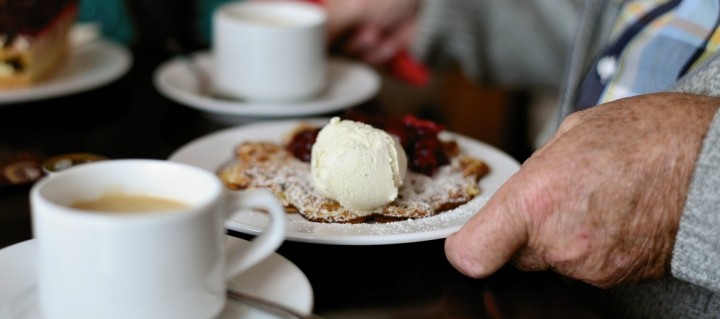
451 219
269 165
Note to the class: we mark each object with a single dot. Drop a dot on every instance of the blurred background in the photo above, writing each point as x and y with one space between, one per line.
508 118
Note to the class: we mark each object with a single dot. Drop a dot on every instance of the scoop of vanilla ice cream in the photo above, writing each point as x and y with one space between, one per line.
357 165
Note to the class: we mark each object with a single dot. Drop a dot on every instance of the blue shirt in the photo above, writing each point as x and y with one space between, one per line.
652 45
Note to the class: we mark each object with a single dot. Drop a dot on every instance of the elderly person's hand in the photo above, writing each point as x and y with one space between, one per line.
601 201
372 30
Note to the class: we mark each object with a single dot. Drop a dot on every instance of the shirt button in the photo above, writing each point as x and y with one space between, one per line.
606 67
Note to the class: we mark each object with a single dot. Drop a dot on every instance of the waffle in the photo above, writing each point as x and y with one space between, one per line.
269 165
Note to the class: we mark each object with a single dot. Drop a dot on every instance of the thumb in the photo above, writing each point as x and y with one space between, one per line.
490 238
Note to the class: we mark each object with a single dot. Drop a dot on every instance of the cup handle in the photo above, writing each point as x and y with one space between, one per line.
267 241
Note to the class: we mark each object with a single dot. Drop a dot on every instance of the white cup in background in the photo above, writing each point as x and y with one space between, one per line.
161 263
269 51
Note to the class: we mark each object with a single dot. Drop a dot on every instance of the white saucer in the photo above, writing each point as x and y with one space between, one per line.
275 279
350 83
90 65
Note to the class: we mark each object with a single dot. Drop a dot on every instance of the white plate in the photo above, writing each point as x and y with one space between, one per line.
216 149
90 65
350 83
275 279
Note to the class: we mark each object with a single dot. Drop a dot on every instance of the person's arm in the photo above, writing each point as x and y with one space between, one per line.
511 42
601 202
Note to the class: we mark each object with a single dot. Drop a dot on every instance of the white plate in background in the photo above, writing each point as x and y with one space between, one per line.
90 65
349 84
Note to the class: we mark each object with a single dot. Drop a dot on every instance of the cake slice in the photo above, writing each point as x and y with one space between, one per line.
34 39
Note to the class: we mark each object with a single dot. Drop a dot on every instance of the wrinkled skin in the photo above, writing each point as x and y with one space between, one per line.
601 201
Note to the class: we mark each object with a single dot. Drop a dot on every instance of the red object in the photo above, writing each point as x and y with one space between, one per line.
404 66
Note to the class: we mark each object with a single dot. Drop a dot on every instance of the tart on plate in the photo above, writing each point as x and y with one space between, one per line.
440 176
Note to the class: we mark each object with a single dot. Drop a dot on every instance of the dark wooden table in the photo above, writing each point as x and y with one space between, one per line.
130 119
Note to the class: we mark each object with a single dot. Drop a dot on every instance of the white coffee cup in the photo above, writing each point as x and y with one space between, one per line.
269 51
169 264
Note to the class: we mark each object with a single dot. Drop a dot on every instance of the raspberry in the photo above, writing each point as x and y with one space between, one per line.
301 144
